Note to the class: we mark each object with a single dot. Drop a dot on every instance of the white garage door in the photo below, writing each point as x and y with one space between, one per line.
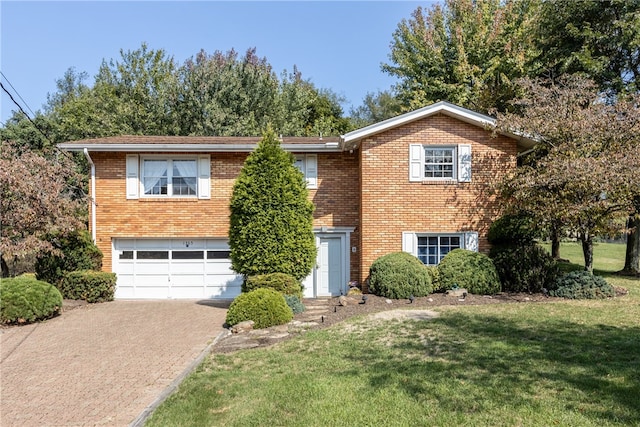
174 268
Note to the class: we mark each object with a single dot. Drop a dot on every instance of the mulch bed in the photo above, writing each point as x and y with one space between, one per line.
376 304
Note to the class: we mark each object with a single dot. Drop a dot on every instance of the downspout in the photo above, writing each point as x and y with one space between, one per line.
92 195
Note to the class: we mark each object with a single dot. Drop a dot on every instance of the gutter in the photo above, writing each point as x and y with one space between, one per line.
92 195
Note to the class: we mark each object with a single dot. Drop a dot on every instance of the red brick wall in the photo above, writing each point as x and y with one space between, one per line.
336 201
390 204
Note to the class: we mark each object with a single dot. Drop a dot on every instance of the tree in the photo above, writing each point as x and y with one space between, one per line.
35 201
376 107
600 38
586 178
271 228
469 52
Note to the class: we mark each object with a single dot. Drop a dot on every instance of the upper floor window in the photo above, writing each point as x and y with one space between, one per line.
440 162
170 177
160 176
308 165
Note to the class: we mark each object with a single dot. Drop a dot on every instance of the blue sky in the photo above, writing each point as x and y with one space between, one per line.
337 45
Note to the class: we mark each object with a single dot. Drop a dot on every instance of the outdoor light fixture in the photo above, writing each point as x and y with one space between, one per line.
411 299
364 299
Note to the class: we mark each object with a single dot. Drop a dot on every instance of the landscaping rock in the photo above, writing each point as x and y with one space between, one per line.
241 327
457 292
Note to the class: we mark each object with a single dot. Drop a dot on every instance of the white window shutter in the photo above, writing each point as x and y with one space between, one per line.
464 163
312 170
416 162
409 243
204 177
133 183
471 241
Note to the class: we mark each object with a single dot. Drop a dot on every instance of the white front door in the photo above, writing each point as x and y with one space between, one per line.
330 272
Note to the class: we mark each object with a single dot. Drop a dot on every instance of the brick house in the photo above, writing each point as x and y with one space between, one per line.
419 182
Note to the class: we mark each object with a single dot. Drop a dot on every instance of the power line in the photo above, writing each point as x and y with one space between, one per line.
17 93
34 123
25 113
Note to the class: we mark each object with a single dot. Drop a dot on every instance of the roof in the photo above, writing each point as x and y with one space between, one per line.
348 141
185 144
352 139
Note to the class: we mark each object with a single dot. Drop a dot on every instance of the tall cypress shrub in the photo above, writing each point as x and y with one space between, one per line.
271 219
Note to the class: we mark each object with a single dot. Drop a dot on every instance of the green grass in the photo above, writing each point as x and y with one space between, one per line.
567 363
607 257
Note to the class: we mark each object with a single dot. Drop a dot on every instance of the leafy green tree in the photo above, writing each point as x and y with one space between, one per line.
271 228
376 107
600 38
469 52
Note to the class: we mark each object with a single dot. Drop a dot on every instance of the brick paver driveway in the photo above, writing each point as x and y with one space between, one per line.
101 364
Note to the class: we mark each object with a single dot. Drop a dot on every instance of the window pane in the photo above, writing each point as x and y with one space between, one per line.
185 178
155 177
126 255
153 254
218 254
187 255
439 162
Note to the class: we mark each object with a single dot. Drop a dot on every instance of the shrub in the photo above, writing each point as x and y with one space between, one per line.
77 252
399 275
471 270
91 286
526 268
510 229
24 299
582 285
295 304
265 306
271 221
435 277
280 282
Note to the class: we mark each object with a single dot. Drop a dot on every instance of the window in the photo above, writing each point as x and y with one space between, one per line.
440 163
308 165
158 176
430 248
170 177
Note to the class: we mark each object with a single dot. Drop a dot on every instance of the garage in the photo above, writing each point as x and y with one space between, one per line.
174 268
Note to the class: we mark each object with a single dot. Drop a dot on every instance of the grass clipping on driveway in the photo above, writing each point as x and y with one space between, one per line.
562 363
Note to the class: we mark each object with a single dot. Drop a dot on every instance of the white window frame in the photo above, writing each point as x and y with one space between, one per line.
169 161
439 238
461 162
308 165
135 176
454 162
468 240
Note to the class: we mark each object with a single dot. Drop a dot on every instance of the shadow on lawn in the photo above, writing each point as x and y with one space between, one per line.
475 361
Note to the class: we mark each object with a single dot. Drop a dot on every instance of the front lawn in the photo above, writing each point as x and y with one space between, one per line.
534 364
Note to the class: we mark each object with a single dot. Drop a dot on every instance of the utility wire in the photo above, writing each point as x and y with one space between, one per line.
34 123
17 93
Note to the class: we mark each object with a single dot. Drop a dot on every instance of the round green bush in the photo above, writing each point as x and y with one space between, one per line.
24 299
77 252
265 306
582 285
295 304
471 270
525 268
398 275
510 229
280 282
